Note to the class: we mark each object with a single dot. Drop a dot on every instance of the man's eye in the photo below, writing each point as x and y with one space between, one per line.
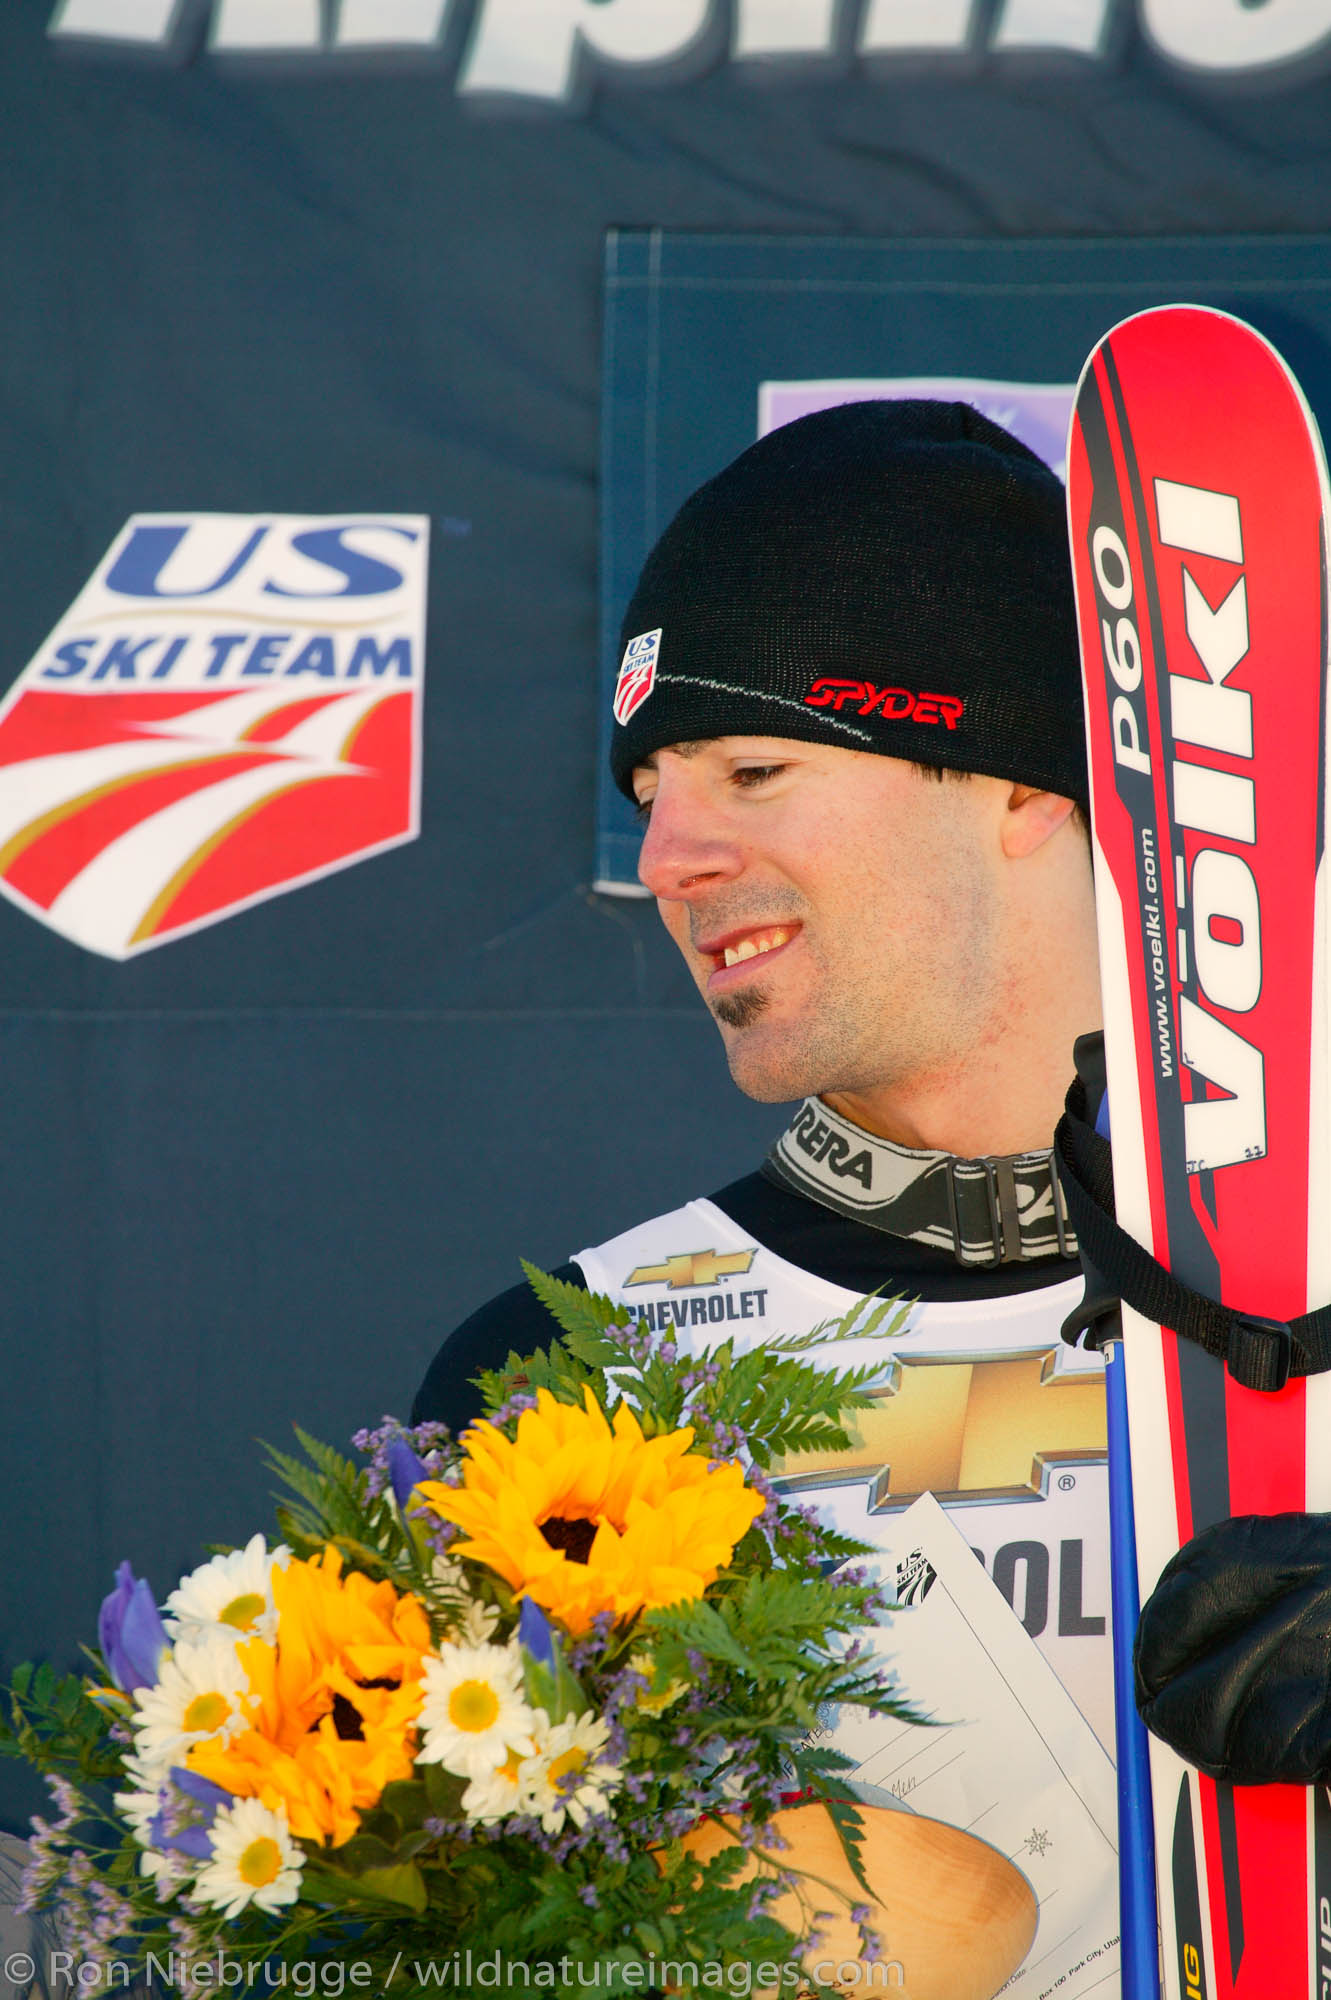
749 775
642 811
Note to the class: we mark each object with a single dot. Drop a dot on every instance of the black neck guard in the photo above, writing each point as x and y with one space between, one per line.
1006 1210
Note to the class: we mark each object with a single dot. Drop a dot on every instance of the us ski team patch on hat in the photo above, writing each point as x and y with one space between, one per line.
637 674
230 708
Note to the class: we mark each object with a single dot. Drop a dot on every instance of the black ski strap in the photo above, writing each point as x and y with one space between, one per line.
1259 1353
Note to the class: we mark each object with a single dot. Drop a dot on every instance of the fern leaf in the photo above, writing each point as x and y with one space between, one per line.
573 1307
869 1318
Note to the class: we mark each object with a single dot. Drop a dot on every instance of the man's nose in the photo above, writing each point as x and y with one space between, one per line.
687 846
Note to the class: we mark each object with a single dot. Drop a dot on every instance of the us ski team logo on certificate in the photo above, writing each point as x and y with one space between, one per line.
229 709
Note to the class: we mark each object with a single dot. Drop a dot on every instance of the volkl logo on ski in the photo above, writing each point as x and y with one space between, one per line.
1219 908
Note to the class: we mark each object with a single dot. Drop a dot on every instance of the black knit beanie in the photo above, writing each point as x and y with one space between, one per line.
889 576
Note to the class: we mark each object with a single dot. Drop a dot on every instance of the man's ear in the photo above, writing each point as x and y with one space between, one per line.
1032 818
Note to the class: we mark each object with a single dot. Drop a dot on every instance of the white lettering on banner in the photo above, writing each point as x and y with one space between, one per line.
784 27
390 23
916 24
1233 34
1081 25
265 24
532 46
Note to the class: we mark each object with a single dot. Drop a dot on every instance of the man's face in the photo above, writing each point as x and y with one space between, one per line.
835 907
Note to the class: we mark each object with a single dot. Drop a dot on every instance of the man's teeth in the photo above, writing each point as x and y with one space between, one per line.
750 947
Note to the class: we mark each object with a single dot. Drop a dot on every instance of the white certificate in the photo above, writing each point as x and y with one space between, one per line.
1012 1759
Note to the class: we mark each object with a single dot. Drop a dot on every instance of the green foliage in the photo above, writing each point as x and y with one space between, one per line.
581 1316
401 1882
870 1318
52 1722
329 1496
331 1507
568 1364
770 1628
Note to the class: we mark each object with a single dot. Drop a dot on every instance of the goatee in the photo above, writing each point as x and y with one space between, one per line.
740 1010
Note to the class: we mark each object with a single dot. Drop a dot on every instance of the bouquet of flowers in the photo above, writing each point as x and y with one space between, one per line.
476 1701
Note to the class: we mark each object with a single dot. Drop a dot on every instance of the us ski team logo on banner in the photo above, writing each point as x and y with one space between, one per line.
229 709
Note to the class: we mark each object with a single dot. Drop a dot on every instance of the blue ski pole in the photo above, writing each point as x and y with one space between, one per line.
1139 1924
1139 1948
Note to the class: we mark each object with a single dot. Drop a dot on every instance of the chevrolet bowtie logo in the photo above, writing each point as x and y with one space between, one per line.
692 1267
961 1430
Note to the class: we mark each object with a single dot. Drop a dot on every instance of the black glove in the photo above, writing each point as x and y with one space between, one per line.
1233 1652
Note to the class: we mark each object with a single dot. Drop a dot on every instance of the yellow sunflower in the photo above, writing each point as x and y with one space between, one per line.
584 1517
332 1702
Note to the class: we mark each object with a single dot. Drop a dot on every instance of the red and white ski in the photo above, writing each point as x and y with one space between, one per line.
1197 496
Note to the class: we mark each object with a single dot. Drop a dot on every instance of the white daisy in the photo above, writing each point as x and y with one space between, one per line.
474 1712
564 1780
139 1809
255 1860
497 1794
197 1696
169 1871
231 1595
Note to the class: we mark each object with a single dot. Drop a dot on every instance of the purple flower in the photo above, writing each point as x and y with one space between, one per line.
549 1680
130 1633
404 1469
183 1823
202 1790
534 1634
195 1841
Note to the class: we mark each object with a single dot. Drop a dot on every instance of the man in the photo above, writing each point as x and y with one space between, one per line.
850 711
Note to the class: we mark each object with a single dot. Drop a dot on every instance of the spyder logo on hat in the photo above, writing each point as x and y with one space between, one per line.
637 673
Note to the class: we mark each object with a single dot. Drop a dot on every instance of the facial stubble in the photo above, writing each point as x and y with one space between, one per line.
869 1026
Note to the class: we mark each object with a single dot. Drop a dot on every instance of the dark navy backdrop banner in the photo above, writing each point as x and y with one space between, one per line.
711 340
311 1018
